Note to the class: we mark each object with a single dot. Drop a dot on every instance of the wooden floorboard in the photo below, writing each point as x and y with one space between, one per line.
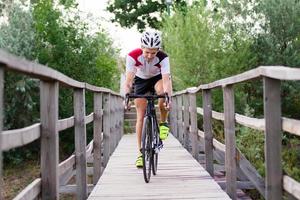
179 176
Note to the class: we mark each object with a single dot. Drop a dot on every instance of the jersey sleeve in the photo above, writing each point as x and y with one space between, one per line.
165 66
130 64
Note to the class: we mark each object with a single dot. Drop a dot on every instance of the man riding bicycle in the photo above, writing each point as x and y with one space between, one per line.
148 70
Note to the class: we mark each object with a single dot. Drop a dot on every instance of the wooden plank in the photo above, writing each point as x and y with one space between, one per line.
291 186
36 70
258 124
194 129
106 127
275 72
49 139
89 148
1 125
281 72
219 155
89 118
71 189
180 119
80 143
230 153
291 125
186 120
176 169
94 88
65 123
240 185
66 177
97 136
20 137
32 191
252 174
67 164
273 138
208 135
248 75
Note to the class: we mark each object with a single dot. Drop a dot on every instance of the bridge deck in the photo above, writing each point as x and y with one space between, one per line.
179 176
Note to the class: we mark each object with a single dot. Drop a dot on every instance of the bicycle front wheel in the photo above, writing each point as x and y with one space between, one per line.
156 144
147 149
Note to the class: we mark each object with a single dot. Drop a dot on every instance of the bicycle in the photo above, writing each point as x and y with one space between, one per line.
151 143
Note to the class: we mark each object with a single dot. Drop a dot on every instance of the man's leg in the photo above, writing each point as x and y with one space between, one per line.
140 105
164 129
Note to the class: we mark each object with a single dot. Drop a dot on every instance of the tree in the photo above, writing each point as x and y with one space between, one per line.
60 39
140 13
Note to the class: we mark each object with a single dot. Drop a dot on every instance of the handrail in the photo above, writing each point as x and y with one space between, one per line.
33 69
107 108
183 120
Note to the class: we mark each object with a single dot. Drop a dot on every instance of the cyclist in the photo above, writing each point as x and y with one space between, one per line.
148 70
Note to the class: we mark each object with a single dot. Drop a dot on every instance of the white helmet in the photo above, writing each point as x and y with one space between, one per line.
151 39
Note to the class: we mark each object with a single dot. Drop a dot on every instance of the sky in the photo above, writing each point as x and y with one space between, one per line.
125 39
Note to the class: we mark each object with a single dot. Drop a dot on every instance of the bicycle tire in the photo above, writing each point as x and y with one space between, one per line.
156 143
147 149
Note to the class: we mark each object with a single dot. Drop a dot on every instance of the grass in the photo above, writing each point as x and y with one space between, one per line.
17 177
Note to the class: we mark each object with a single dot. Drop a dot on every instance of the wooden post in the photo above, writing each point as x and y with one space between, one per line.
1 125
120 116
113 124
97 136
80 143
208 135
230 153
172 116
175 128
186 120
106 127
49 92
273 138
179 121
194 128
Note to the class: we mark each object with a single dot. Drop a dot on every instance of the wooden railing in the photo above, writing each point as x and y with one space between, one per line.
107 118
183 120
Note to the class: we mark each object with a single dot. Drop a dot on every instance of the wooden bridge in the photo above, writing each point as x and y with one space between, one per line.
179 173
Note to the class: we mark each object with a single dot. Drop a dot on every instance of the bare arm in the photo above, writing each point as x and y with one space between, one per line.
128 82
167 84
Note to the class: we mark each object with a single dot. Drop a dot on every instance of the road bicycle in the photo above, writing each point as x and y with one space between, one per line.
151 143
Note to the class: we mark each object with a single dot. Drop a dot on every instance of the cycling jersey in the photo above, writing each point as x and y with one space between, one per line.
135 62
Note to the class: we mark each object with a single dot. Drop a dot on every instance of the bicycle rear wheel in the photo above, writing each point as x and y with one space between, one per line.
147 149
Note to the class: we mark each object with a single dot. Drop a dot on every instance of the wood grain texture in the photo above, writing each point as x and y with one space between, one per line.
80 143
273 138
49 139
230 145
179 176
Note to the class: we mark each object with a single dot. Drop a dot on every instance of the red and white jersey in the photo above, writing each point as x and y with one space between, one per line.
135 62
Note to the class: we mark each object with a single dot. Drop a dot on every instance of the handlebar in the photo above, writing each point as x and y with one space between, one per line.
148 97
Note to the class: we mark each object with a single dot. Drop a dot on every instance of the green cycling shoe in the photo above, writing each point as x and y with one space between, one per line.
139 161
163 130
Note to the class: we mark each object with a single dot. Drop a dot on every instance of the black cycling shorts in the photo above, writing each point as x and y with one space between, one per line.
142 86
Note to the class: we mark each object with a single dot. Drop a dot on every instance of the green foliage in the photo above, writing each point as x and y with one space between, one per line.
60 39
18 37
202 50
140 13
